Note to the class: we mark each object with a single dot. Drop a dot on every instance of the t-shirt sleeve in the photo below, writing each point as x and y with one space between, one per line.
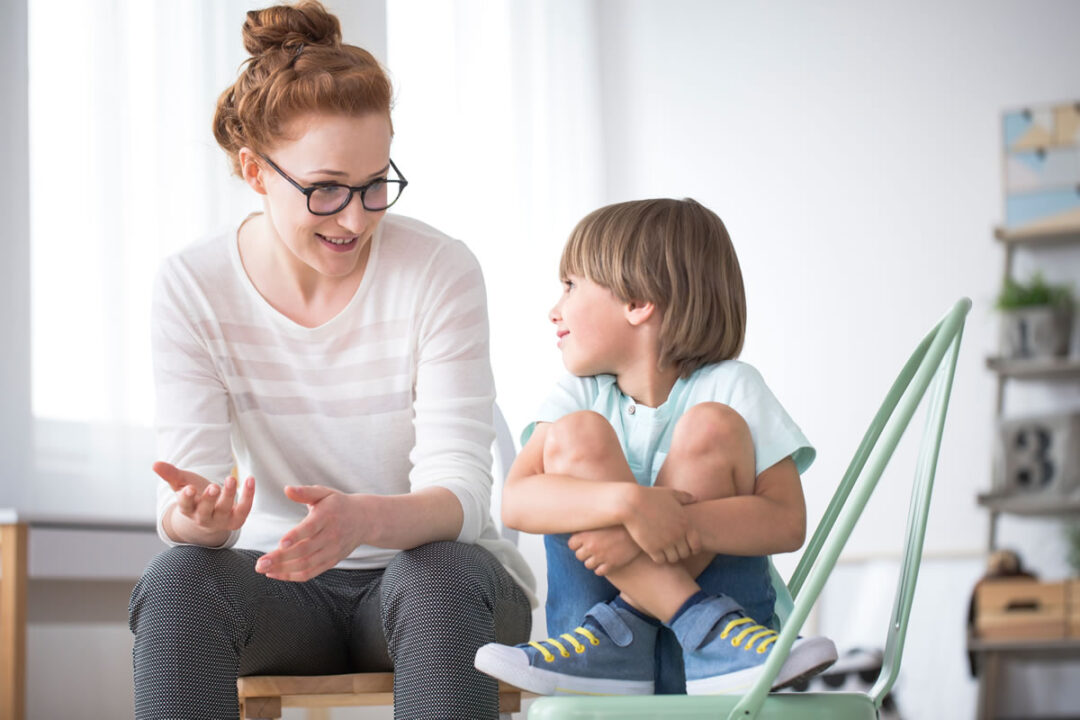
775 434
455 390
192 407
571 393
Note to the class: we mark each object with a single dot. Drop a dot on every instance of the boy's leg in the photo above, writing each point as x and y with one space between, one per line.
711 457
602 648
584 445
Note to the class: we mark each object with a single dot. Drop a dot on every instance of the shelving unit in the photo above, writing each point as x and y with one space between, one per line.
1034 369
992 654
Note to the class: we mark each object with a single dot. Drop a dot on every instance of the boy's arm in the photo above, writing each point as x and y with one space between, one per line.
771 520
544 503
548 503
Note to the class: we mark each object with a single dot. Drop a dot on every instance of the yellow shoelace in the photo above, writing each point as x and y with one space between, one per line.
578 647
756 632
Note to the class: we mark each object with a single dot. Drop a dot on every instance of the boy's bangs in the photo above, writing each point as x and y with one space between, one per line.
593 252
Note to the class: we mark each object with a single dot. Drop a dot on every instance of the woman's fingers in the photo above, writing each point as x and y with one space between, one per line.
204 508
226 498
306 529
243 505
290 564
185 501
179 479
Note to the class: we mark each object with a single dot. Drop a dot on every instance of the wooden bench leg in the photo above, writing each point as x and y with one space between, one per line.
263 708
13 621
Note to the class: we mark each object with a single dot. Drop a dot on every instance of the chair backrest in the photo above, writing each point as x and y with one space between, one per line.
503 456
934 361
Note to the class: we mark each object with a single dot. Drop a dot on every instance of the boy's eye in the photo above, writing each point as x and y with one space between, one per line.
568 285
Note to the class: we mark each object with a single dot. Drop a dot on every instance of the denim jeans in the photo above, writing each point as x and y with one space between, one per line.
573 589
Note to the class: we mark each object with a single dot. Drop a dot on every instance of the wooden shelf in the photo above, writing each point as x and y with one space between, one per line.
1059 646
1030 504
1036 368
1054 236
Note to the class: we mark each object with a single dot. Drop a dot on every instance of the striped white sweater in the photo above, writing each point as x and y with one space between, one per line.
394 394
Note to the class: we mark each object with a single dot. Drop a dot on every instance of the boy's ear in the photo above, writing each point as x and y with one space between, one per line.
638 312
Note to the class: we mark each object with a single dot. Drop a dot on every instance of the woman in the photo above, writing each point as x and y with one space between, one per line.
337 356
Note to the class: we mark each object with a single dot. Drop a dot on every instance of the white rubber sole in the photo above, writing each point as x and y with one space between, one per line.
808 657
511 665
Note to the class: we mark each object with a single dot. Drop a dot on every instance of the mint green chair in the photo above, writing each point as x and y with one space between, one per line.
934 361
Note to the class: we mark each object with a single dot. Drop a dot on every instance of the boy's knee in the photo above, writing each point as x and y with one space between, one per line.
711 427
577 437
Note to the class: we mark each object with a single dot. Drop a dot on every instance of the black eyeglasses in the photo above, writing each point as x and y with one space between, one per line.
330 198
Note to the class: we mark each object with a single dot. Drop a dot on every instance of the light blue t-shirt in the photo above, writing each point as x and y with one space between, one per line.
645 433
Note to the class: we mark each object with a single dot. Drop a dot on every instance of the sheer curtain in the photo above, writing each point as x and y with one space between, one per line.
497 126
498 129
123 171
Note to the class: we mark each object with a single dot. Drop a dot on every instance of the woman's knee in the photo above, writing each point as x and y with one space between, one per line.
440 573
580 437
187 578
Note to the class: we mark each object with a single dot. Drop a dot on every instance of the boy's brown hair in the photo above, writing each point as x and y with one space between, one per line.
677 255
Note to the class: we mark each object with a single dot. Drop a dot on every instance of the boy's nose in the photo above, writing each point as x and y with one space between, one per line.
553 313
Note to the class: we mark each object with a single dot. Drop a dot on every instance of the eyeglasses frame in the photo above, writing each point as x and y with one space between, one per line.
362 189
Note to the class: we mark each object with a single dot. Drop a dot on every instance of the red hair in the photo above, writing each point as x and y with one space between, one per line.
298 65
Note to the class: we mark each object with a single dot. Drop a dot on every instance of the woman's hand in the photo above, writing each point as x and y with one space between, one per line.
657 523
604 550
329 533
205 512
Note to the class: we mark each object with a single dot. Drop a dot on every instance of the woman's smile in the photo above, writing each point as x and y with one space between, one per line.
343 243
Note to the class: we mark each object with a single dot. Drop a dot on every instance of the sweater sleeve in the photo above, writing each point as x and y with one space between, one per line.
455 390
192 415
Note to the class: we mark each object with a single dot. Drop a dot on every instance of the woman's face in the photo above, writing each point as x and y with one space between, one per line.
318 149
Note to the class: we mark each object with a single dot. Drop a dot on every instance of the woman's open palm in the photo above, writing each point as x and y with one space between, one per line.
212 507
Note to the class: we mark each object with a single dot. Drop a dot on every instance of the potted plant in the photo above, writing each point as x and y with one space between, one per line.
1036 318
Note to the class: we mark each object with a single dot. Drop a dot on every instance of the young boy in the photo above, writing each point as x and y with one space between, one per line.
662 471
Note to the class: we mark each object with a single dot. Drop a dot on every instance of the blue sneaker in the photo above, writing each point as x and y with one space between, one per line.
724 650
611 653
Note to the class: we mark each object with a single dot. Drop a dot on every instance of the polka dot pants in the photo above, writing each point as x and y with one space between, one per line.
202 617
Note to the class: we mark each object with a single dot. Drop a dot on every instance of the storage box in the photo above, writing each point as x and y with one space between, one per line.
1020 609
1072 604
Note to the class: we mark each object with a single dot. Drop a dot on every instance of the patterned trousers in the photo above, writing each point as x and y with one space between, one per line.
202 617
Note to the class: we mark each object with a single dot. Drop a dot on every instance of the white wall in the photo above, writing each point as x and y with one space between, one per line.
853 149
15 244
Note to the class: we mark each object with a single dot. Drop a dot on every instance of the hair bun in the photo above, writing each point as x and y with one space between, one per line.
287 27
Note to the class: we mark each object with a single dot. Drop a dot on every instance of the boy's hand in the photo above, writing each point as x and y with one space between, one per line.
604 550
657 523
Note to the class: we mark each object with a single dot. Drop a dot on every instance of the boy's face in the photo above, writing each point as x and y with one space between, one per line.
592 328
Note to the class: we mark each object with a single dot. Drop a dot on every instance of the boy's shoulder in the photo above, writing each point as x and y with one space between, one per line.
587 386
726 373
